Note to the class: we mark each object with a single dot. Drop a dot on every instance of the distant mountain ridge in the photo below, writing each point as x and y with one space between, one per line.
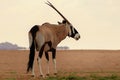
10 46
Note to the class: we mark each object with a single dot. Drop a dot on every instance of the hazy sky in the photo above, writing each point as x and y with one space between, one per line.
98 21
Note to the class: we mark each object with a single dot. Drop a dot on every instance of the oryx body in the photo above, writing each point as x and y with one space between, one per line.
46 37
51 33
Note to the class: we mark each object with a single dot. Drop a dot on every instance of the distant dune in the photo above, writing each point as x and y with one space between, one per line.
10 46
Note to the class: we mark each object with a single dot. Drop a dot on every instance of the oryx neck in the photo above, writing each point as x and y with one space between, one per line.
61 32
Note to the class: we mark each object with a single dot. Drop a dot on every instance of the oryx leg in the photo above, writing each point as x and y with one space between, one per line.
33 71
54 60
47 57
40 61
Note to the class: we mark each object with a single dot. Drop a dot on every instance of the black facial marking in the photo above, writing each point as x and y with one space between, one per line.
75 31
73 34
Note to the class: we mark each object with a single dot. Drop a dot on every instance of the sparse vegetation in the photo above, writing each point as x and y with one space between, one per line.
10 79
91 77
64 76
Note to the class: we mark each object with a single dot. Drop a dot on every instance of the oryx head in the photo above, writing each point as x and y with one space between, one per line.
72 32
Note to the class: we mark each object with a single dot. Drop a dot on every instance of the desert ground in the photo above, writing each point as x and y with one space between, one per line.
13 63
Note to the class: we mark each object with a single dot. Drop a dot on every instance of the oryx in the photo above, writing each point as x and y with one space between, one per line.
46 37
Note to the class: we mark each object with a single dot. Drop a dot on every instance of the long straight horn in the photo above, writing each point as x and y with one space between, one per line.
51 5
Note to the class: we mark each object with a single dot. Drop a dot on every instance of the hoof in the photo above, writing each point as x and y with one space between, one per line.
32 75
55 74
47 74
42 76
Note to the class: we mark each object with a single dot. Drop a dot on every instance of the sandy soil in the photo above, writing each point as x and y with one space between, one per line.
14 63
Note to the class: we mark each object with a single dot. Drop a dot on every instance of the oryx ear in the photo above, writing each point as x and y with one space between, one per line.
59 22
64 21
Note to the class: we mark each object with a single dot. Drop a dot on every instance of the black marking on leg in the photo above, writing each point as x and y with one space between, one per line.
49 44
53 53
47 56
41 51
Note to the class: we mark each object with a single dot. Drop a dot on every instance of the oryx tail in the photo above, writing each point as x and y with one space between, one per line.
32 35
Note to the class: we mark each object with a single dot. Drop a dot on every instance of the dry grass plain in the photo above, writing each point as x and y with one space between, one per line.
81 62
